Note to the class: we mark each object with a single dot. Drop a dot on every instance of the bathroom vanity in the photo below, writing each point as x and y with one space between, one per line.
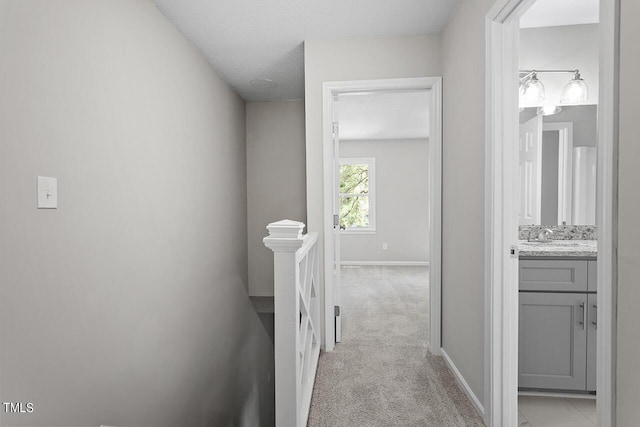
557 250
558 322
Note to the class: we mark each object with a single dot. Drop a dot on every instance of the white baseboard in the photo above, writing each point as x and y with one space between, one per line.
463 383
397 263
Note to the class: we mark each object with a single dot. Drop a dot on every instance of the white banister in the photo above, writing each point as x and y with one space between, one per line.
297 319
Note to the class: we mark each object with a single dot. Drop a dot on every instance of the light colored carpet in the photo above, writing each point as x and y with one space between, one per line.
381 373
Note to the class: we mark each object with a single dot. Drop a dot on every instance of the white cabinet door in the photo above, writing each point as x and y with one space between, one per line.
530 171
553 341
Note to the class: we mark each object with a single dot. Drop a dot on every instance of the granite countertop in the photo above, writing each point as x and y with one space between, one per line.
558 248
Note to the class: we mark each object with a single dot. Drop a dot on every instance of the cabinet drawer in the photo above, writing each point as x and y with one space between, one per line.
553 275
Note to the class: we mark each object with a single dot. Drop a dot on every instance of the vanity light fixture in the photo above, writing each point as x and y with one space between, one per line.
532 89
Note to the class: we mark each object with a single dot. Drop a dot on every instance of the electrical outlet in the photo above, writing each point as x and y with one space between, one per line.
385 246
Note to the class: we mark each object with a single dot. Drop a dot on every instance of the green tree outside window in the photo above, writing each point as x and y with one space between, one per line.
354 196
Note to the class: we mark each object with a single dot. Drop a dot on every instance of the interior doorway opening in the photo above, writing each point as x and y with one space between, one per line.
364 220
504 332
382 145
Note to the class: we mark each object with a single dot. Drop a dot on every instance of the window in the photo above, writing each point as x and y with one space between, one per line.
357 201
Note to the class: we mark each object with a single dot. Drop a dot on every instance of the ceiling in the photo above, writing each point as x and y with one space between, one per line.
247 40
384 115
550 13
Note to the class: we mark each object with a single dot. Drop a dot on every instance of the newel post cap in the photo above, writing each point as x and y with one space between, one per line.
284 236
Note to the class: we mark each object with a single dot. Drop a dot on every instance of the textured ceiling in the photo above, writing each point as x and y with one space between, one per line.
263 39
550 13
384 115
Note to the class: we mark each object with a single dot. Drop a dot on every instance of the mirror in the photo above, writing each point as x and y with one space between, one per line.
557 158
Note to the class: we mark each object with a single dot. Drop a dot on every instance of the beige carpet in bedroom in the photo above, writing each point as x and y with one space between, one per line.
381 373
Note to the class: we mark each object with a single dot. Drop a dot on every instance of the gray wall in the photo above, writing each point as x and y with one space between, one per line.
353 59
402 202
628 390
583 117
463 49
127 305
275 180
549 196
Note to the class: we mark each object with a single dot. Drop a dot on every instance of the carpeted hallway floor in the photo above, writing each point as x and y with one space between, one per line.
381 373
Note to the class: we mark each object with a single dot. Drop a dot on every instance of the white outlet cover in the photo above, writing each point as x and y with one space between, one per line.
47 189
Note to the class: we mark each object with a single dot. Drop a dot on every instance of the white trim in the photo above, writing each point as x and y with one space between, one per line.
327 301
433 84
463 383
435 226
398 263
501 214
607 212
501 308
357 231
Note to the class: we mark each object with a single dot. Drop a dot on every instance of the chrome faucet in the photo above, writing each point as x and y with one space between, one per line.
544 234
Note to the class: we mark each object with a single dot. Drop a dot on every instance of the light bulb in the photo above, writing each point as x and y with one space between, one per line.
532 90
575 91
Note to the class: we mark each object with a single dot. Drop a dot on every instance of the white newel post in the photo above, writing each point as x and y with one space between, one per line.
285 238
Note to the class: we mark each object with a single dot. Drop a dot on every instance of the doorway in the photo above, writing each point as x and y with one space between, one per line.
383 208
501 231
331 165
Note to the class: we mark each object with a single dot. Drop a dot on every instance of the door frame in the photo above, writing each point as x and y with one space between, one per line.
501 275
536 197
565 167
332 89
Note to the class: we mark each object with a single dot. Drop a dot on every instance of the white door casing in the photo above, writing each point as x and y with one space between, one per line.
501 310
330 91
565 169
530 176
337 284
530 170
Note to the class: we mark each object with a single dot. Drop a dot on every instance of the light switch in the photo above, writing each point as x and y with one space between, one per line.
47 189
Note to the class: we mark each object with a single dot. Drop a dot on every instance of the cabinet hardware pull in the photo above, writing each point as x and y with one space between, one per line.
584 316
595 322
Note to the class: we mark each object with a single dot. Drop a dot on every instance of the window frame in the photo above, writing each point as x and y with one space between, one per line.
371 163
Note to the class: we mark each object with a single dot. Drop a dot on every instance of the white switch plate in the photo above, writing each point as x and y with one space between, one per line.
47 189
385 246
